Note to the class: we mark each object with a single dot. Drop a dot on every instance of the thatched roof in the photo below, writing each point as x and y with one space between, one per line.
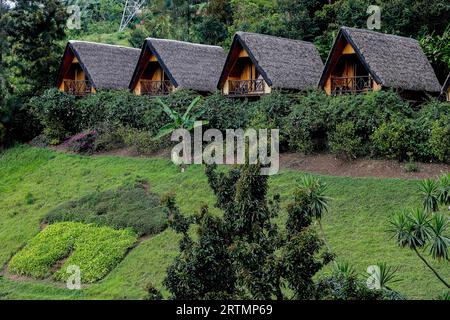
393 61
106 66
188 65
283 63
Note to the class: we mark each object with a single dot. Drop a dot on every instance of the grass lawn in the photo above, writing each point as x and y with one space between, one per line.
34 181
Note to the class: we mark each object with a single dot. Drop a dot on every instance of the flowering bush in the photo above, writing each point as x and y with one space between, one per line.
83 142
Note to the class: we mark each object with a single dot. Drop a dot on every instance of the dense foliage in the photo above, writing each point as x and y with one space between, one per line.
378 124
243 254
126 207
33 34
96 250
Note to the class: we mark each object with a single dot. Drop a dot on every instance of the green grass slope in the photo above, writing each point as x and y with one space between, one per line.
34 181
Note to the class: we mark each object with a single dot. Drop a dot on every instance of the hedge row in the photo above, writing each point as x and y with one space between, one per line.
378 124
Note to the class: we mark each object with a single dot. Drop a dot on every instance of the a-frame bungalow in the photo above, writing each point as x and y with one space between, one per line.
446 89
257 63
168 65
87 67
363 60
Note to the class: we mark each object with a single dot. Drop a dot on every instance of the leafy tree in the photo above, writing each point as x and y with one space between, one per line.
243 254
211 31
221 10
33 28
437 49
299 18
137 37
417 229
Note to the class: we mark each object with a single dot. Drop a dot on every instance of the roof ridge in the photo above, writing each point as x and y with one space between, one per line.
378 33
186 42
103 44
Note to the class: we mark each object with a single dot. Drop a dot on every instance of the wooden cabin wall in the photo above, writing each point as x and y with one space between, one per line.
157 73
344 49
77 73
249 72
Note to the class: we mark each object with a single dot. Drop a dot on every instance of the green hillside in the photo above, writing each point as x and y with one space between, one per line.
34 181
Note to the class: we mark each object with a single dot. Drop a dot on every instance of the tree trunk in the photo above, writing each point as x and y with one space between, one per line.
431 268
324 237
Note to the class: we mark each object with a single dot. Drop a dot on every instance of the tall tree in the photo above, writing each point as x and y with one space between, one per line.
33 28
243 255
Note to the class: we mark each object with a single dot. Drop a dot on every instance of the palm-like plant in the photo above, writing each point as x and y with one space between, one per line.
387 275
416 229
444 190
345 269
439 241
185 121
429 190
314 190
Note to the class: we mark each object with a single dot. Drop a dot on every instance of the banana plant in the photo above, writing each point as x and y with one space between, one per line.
185 121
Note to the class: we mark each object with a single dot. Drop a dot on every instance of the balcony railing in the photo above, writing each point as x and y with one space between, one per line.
155 87
349 85
245 87
77 88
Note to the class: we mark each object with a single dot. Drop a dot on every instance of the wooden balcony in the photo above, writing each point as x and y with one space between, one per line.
78 88
155 87
245 87
351 85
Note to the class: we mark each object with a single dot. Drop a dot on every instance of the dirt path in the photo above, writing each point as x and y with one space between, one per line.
328 164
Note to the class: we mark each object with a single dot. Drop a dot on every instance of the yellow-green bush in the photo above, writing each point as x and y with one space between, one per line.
96 250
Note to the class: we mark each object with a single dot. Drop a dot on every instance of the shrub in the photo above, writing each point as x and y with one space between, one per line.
411 167
94 109
43 251
225 113
127 207
140 140
109 137
306 125
391 140
40 141
440 139
83 143
342 287
128 109
272 109
344 142
269 113
57 113
96 250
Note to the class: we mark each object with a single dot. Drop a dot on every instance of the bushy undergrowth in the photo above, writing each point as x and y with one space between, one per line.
126 207
96 250
378 124
83 142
